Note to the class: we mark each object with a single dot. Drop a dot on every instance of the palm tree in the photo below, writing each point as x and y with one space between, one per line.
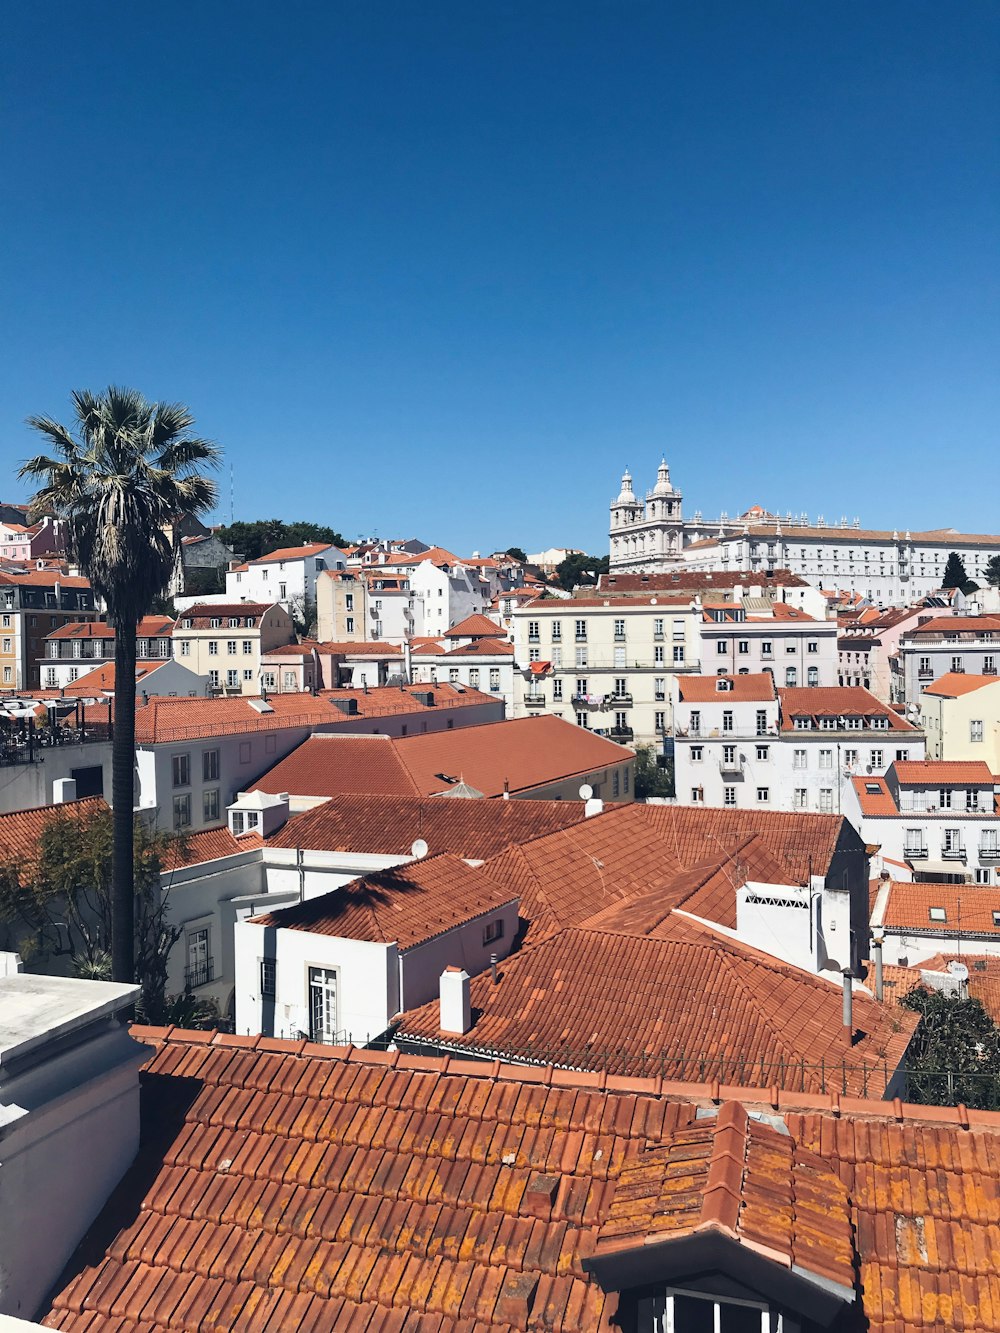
126 470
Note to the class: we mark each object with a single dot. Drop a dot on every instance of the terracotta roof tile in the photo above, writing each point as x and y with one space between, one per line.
20 830
740 689
936 772
527 753
874 797
957 624
293 552
406 905
836 701
388 825
953 684
691 1003
474 627
148 627
968 908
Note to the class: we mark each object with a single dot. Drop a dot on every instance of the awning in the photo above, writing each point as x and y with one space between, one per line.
939 869
540 668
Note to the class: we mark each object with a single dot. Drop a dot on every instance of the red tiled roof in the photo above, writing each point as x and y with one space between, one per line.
741 689
20 830
968 908
45 578
983 984
568 605
956 625
437 555
212 844
695 580
692 1003
407 905
836 701
483 648
474 627
526 752
287 1186
746 1179
149 627
360 648
940 772
102 678
224 611
388 825
293 552
955 683
874 796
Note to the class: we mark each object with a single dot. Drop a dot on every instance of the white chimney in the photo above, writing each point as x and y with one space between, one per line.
593 806
456 1005
69 1122
63 790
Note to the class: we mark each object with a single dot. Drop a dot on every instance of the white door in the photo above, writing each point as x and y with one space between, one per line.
322 1004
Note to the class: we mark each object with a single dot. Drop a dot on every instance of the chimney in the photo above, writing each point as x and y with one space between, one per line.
849 1005
877 952
69 1106
63 790
594 806
494 975
456 1006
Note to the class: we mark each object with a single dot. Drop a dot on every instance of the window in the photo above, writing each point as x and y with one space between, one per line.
697 794
763 795
812 676
659 687
727 720
581 629
8 675
244 752
975 729
583 720
657 629
722 647
678 655
812 646
493 930
248 675
199 962
743 646
729 755
210 805
791 676
877 759
956 665
678 629
350 624
581 657
850 758
282 591
619 629
826 800
231 647
268 977
216 622
474 678
557 690
621 686
937 914
761 721
181 766
799 798
694 722
349 601
494 679
322 1004
533 631
615 783
556 631
626 778
453 673
210 765
213 679
182 811
763 753
826 759
556 652
944 798
951 843
247 647
233 679
619 652
697 752
213 647
766 648
729 796
660 721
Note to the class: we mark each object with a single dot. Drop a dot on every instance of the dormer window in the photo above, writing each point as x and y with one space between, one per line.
802 723
216 622
723 685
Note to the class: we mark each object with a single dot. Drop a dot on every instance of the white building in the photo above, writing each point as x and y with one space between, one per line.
760 635
370 603
481 664
445 589
75 649
742 744
933 821
287 575
605 662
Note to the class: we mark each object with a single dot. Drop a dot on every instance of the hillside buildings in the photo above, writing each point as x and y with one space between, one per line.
33 603
227 641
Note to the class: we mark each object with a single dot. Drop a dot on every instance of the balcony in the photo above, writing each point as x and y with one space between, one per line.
534 701
199 974
620 638
989 853
731 767
953 853
620 733
613 700
534 638
917 853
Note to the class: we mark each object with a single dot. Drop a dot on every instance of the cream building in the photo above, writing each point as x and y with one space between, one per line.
368 603
605 663
961 715
227 641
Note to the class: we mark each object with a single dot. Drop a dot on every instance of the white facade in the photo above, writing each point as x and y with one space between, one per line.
445 595
609 661
751 753
493 673
286 576
749 638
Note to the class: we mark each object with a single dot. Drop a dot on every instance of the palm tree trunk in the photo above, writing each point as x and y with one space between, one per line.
123 799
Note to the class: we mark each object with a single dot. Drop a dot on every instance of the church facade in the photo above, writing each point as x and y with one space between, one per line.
647 536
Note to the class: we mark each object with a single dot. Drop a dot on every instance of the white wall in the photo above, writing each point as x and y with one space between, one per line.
27 786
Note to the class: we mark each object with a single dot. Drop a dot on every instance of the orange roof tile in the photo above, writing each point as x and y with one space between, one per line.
525 753
874 796
283 1185
149 627
474 627
953 684
939 772
102 679
407 905
212 844
968 908
360 648
956 625
691 1004
483 648
20 830
740 689
696 580
836 701
293 552
388 825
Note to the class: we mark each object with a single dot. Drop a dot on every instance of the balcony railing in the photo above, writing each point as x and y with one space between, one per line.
616 698
989 853
720 733
199 974
732 767
953 853
620 733
917 853
534 701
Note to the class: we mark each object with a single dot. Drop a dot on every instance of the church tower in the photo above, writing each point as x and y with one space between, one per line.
647 537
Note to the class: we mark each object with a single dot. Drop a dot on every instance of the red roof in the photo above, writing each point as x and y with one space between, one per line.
474 627
740 689
224 611
294 552
20 830
287 1186
693 1004
697 580
360 648
148 628
525 753
939 772
483 648
836 701
955 683
956 625
388 825
968 908
407 905
211 844
102 678
874 797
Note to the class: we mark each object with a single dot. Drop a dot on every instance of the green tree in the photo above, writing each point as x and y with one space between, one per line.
127 469
955 1053
650 778
252 540
516 553
993 571
580 569
954 572
61 902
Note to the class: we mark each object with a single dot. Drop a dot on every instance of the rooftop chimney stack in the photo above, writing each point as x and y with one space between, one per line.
456 1004
879 980
63 790
849 1004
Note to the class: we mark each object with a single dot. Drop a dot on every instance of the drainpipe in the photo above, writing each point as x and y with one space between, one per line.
848 1005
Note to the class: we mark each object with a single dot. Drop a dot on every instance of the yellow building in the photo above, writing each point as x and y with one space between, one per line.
961 716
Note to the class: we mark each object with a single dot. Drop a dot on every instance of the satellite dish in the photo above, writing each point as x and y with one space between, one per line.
586 792
419 849
958 970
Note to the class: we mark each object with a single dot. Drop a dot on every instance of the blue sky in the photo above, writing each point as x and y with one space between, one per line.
444 268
